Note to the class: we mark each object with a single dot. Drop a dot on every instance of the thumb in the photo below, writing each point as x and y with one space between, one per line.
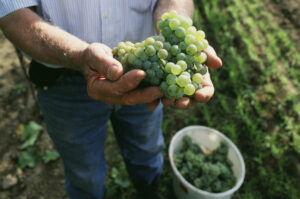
111 69
103 63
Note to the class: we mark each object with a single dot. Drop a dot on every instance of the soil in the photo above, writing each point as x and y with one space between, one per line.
18 106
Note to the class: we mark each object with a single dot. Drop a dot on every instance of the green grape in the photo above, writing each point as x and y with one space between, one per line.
200 68
172 39
179 93
183 80
153 58
185 73
115 51
121 45
199 45
200 35
173 14
205 42
197 78
149 41
175 50
189 21
182 64
146 65
196 85
171 79
182 45
162 54
158 45
129 43
121 52
191 30
124 59
155 66
138 63
138 44
191 49
138 51
166 31
167 46
174 23
150 50
165 16
181 56
189 39
189 59
201 57
160 25
160 73
131 58
180 32
128 48
189 89
150 73
159 38
162 63
168 67
164 87
184 21
143 56
172 90
176 69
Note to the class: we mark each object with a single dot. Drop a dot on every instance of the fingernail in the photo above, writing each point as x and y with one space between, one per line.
111 73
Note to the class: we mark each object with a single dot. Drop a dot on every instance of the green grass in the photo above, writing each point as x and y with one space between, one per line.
256 103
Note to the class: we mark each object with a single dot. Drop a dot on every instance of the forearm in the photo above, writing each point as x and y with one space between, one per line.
183 7
41 40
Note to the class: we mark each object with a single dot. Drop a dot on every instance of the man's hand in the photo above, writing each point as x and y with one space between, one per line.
106 81
202 95
186 8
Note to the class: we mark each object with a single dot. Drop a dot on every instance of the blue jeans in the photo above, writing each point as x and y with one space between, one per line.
77 126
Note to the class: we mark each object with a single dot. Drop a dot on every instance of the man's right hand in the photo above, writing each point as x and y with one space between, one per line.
106 81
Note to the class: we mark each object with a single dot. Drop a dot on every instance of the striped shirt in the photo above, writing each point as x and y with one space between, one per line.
105 21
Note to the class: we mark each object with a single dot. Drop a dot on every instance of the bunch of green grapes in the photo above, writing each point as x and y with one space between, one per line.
211 172
174 60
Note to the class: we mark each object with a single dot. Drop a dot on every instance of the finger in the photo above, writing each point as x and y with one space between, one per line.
167 101
213 61
141 96
129 81
103 63
107 50
204 94
183 103
152 105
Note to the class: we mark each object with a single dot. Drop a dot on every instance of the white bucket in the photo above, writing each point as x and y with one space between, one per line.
210 139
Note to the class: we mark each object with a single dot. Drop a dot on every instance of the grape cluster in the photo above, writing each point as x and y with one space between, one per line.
210 172
174 60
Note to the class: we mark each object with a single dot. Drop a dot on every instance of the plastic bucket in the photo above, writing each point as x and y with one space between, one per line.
208 138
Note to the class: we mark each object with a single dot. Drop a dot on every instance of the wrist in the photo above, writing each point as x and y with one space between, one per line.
77 58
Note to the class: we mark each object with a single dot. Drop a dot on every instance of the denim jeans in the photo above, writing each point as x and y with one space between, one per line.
77 126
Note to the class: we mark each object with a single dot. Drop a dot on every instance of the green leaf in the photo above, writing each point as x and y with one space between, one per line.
28 158
50 156
296 142
124 183
114 172
30 134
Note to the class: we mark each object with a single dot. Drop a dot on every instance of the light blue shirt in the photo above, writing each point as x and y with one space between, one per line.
105 21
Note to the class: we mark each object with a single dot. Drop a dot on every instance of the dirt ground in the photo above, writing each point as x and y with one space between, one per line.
18 106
